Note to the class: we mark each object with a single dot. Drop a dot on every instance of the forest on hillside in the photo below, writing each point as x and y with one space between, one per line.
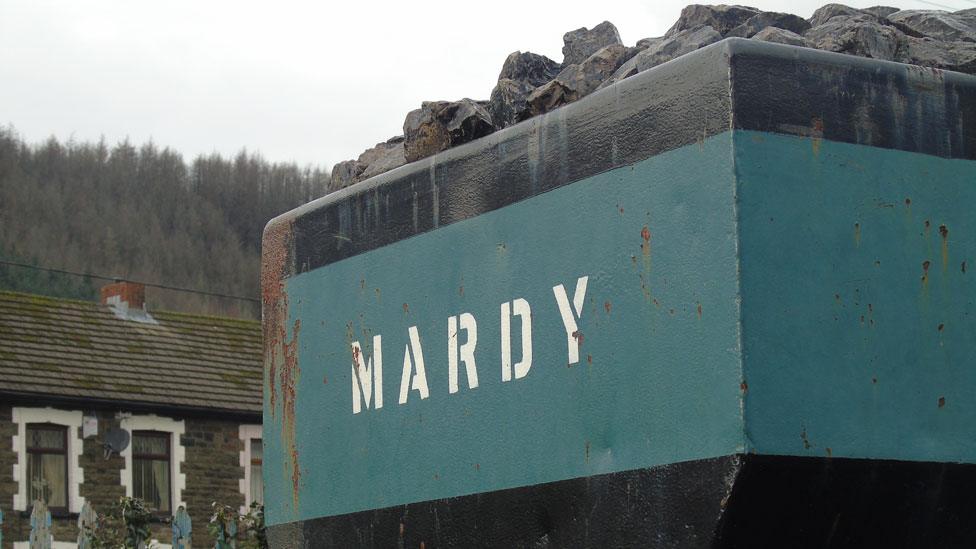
142 213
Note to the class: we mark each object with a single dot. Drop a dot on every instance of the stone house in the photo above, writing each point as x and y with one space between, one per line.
177 395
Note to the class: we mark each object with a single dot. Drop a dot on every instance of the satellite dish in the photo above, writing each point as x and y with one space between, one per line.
116 440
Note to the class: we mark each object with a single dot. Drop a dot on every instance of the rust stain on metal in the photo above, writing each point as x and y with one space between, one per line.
857 235
925 272
644 288
406 308
963 267
646 253
817 135
578 336
586 452
275 265
830 452
699 311
607 306
290 373
941 402
806 441
589 359
744 387
944 231
280 354
941 327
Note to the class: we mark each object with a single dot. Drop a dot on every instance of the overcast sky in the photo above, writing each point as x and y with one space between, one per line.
312 82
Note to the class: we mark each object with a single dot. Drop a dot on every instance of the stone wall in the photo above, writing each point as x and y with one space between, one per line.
211 465
11 525
213 471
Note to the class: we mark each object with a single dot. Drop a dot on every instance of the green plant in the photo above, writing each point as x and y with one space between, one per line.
253 523
223 525
127 524
136 517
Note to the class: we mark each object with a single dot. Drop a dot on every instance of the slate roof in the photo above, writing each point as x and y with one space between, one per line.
82 350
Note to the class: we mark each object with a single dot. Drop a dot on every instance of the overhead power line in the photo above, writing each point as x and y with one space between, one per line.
115 278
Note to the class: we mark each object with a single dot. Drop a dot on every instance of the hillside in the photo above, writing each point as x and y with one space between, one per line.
141 213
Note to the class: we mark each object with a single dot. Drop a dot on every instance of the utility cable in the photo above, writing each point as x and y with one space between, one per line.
118 279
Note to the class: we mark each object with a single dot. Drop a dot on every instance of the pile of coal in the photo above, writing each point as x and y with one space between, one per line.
530 84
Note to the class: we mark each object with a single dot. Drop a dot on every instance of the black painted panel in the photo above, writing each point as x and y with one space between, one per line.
677 505
800 91
840 503
664 108
775 501
773 88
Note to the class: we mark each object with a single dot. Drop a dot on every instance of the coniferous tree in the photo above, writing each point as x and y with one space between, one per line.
141 213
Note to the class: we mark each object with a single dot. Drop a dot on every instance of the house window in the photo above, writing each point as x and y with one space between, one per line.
252 463
257 479
154 461
151 469
48 447
47 464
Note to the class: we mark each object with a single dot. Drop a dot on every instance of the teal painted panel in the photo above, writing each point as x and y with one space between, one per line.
658 376
858 325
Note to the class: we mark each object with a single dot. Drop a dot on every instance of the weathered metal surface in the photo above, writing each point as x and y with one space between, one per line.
727 263
788 501
857 319
573 401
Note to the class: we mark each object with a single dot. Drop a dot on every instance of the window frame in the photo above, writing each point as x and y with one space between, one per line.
247 433
259 462
28 450
167 457
176 429
72 420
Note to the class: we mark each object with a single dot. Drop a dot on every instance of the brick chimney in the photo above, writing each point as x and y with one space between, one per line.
124 294
127 300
